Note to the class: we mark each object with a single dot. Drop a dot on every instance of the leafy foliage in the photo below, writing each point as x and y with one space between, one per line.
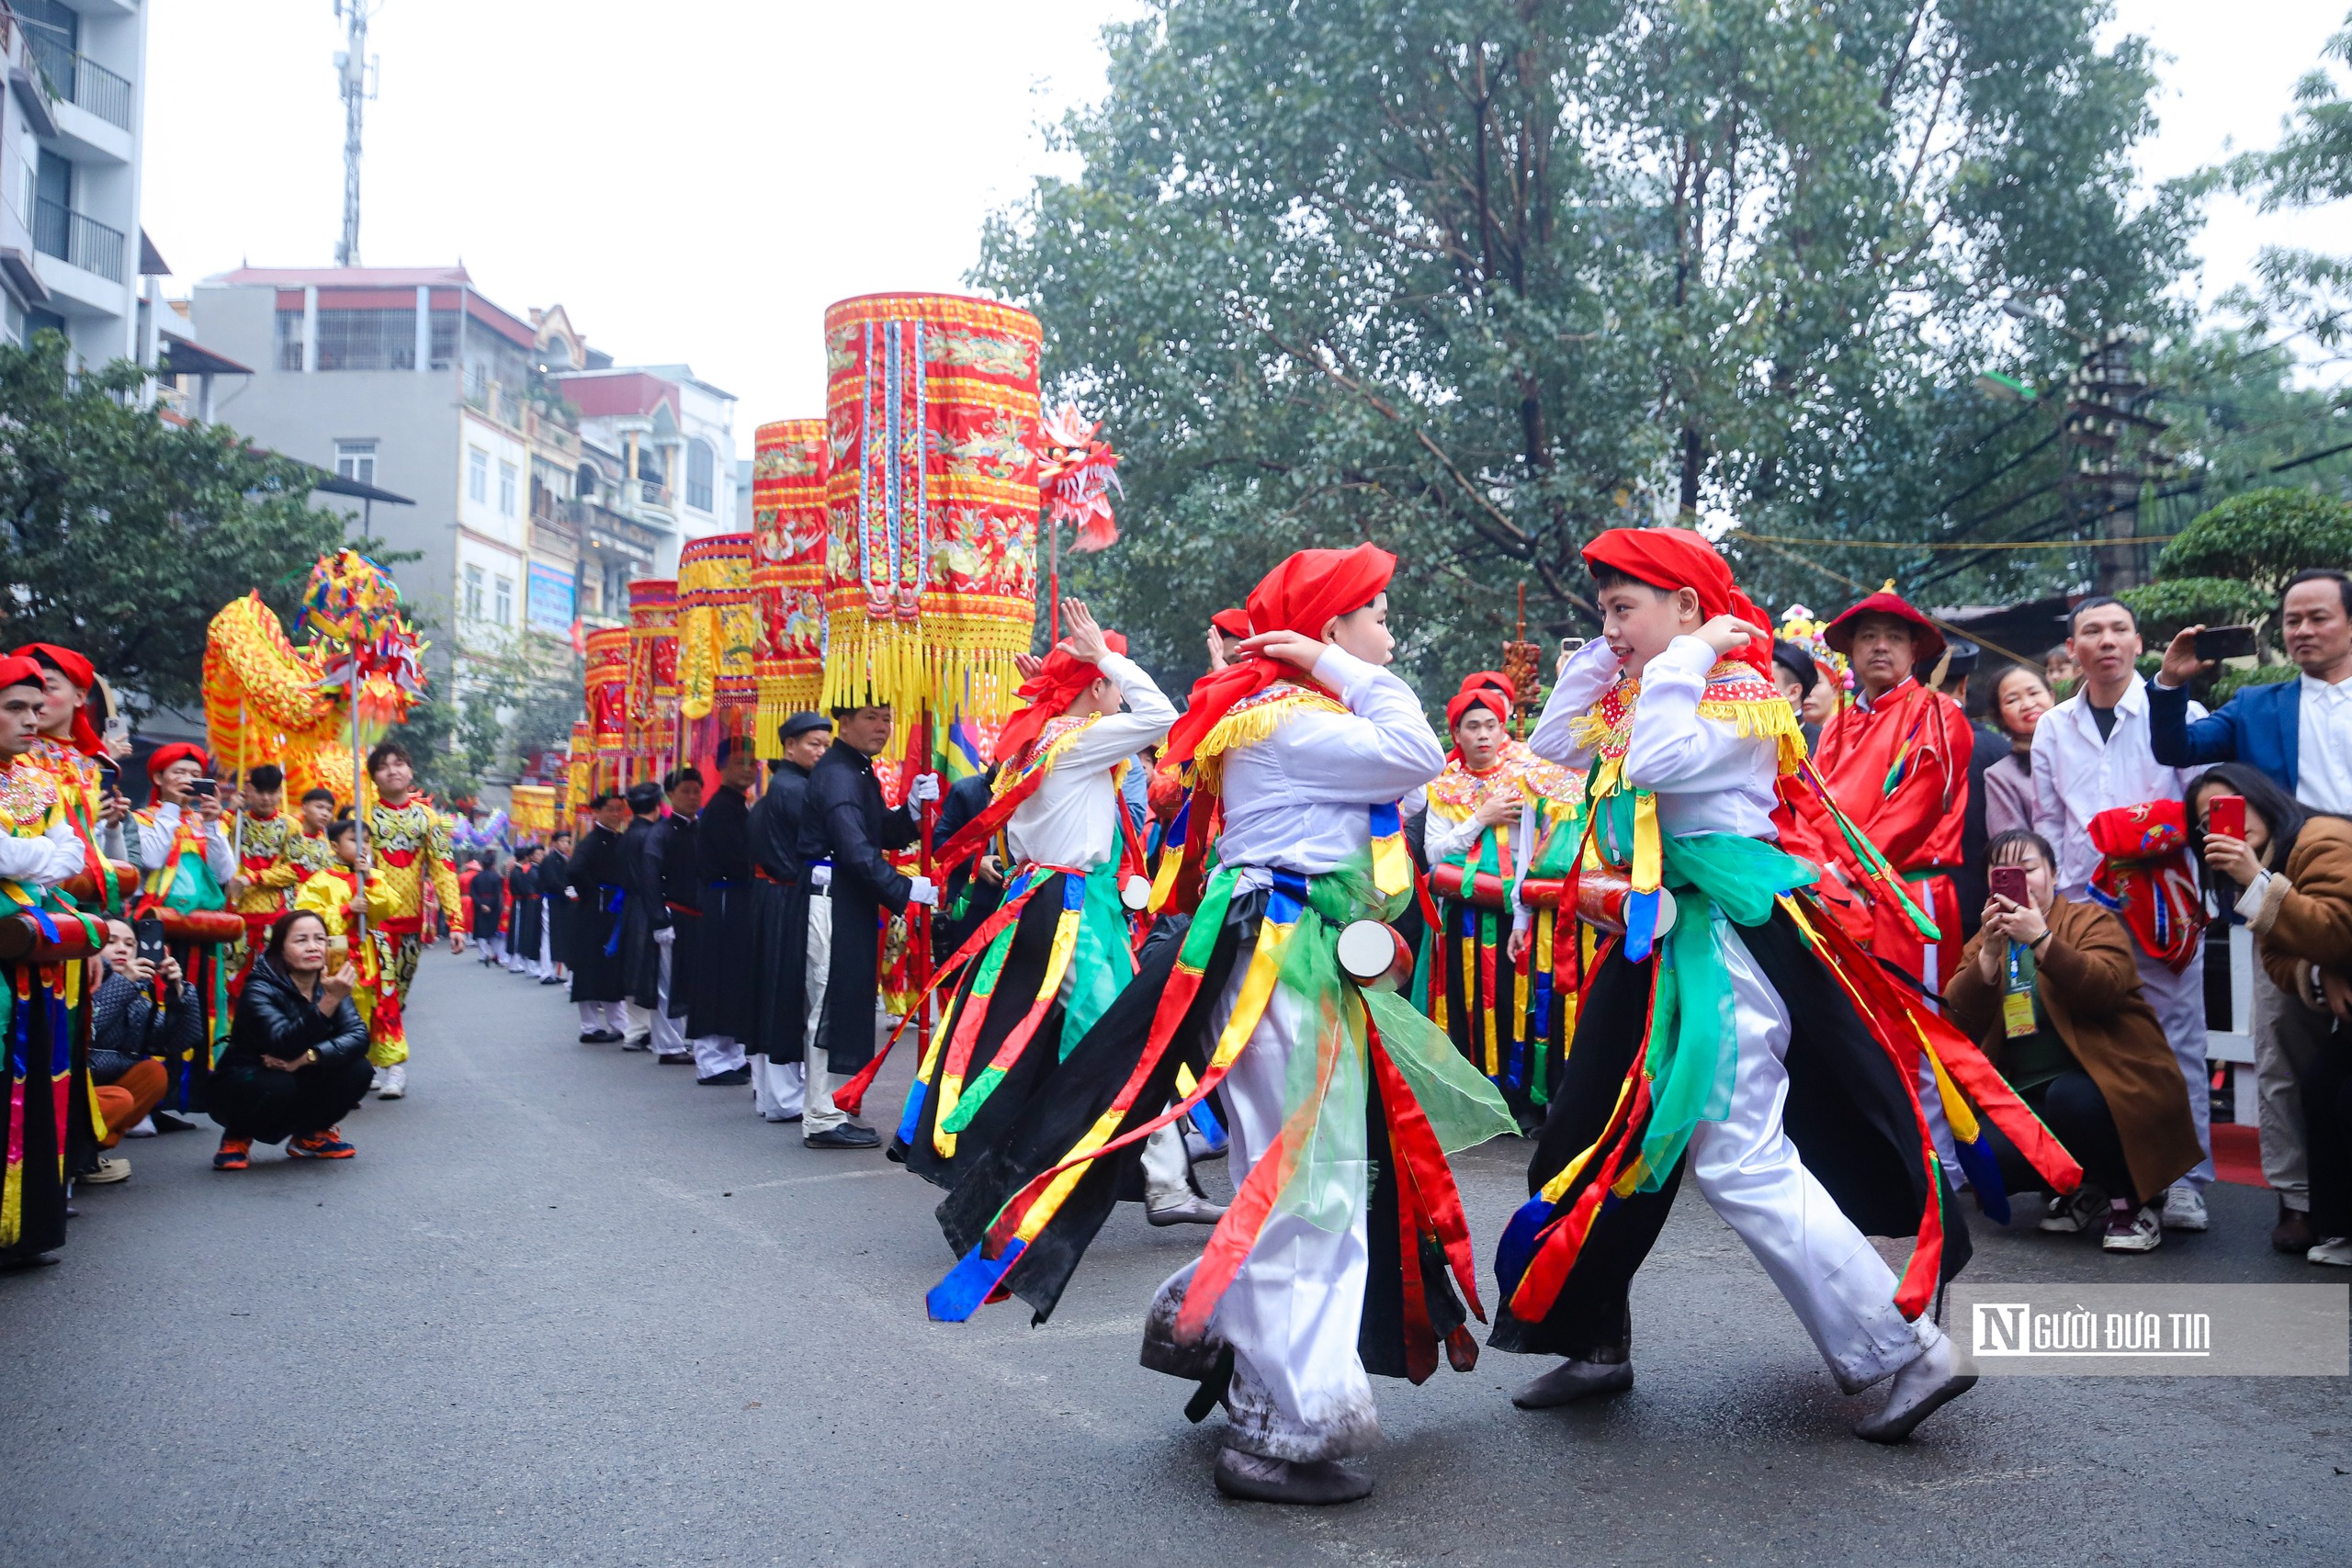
2164 607
122 533
2305 292
1477 280
2261 540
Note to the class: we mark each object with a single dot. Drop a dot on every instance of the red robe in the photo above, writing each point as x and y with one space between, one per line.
1899 767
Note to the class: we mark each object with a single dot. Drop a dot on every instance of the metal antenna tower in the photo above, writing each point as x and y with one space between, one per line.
355 72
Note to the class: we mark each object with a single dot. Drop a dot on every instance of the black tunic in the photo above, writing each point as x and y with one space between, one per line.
490 900
672 851
725 964
779 931
530 910
554 875
642 913
595 877
845 823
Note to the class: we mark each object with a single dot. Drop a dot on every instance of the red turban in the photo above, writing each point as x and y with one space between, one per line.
1232 623
77 670
1058 682
1488 689
1681 557
18 670
1305 594
178 751
1927 642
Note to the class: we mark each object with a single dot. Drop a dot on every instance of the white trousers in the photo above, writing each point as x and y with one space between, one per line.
1293 1311
494 947
2179 1001
716 1053
1749 1173
1167 1169
602 1015
817 1111
669 1040
776 1089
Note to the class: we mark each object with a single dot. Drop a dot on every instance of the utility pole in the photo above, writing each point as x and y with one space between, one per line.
355 72
2110 433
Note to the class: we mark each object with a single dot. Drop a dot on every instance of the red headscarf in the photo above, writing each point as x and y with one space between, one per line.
1232 623
165 755
77 670
1305 594
1681 557
1488 689
18 670
1058 682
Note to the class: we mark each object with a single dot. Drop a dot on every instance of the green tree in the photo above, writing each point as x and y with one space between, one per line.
2229 566
122 533
2305 293
1479 279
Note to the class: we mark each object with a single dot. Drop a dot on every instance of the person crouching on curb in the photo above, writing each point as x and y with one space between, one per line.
296 1061
2081 1046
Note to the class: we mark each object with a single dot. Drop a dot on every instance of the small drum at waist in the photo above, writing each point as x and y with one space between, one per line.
208 927
22 942
1602 892
1374 956
83 888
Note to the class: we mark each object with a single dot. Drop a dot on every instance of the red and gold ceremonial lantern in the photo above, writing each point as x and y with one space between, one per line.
653 706
932 501
580 768
788 573
608 704
718 636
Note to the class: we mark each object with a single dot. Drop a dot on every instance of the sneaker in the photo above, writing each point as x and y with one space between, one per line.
395 1083
111 1171
376 1080
2133 1230
2335 1252
2292 1233
2074 1212
144 1129
234 1154
2185 1209
326 1143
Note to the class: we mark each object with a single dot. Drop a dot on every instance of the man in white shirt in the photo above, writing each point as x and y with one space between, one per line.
2299 732
2092 754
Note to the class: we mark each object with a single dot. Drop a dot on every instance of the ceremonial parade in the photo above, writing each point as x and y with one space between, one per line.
1386 839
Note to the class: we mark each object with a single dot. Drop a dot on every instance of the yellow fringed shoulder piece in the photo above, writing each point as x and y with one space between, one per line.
1252 720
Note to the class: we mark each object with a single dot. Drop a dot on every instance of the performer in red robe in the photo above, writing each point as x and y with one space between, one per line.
1897 762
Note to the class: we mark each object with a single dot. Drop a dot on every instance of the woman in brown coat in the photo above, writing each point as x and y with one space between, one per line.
2291 879
2091 1060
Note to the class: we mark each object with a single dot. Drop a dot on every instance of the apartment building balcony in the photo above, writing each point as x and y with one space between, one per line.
79 260
609 533
548 431
92 107
556 526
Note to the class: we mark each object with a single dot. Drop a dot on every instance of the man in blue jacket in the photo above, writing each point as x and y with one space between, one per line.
2299 732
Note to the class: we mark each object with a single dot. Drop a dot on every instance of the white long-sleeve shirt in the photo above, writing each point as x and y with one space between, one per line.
1073 819
1707 777
45 860
1300 799
2076 775
155 846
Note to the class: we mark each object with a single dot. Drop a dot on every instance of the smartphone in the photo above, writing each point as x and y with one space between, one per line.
1571 646
147 932
117 730
2225 642
204 789
2225 815
2009 882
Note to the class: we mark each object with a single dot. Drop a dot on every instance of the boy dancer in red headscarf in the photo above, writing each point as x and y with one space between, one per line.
1332 1260
1763 1053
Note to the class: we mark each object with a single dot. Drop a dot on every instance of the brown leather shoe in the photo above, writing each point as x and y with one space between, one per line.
2293 1231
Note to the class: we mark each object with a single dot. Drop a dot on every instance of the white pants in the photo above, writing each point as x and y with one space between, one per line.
1749 1173
1167 1169
2286 1035
669 1040
817 1111
715 1054
776 1089
1293 1311
2179 1001
494 947
515 963
602 1015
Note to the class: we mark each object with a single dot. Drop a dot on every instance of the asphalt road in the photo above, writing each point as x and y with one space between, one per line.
568 1308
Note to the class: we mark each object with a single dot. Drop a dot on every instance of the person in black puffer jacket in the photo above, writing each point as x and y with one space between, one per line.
296 1061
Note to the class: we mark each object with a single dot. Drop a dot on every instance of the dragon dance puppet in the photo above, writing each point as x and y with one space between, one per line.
1732 1032
1502 823
1335 1257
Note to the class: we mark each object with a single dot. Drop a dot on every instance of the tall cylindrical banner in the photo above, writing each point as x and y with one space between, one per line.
931 503
580 769
718 634
608 702
789 572
653 674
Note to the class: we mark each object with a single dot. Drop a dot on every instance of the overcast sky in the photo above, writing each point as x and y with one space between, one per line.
698 180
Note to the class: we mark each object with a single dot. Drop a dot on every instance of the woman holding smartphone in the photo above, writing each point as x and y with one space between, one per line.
2288 873
2020 697
2051 989
297 1059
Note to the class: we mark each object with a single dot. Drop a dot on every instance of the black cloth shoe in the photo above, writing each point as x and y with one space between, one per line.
167 1122
733 1078
848 1136
2293 1231
1314 1482
551 981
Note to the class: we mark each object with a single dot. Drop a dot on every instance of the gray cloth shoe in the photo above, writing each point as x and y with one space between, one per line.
1311 1483
1920 1389
1572 1380
1190 1211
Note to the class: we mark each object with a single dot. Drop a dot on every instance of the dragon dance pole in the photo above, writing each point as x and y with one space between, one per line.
359 819
920 926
